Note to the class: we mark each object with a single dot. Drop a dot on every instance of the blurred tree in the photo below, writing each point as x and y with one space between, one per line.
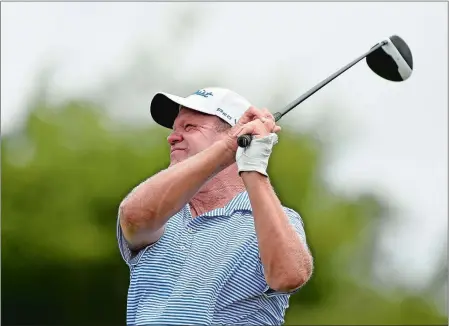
64 175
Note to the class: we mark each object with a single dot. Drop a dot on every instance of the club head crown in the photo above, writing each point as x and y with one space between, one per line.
393 61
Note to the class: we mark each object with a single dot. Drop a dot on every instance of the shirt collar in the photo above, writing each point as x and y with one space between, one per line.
238 203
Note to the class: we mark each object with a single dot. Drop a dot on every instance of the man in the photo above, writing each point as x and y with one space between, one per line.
207 240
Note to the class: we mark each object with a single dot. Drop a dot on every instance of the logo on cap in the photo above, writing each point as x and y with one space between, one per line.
203 93
227 116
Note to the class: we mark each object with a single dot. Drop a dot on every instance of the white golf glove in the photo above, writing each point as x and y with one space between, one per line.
255 157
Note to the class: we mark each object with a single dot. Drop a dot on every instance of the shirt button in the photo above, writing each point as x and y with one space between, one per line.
183 248
190 230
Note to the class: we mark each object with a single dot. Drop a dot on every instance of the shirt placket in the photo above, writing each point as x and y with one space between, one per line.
183 245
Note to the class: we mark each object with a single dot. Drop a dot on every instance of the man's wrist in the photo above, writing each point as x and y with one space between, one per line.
253 177
226 153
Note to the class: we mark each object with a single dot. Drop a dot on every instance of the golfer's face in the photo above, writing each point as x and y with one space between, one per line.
192 132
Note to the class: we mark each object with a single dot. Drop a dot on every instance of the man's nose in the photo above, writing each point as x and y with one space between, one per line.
174 138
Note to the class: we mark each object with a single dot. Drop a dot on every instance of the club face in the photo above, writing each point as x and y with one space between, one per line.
392 61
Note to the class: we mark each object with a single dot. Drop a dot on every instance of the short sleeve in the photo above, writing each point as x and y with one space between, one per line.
130 257
297 222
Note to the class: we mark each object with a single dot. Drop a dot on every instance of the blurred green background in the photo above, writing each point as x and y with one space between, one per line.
67 168
64 175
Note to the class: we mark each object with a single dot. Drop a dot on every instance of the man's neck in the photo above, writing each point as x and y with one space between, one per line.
217 192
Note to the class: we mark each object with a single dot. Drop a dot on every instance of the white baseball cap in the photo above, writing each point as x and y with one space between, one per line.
221 102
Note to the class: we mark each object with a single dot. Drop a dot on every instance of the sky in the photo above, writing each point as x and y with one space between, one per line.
390 137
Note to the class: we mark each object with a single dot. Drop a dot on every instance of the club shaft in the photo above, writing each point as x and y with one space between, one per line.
314 89
245 140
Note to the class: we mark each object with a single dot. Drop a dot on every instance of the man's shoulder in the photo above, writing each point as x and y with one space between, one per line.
291 211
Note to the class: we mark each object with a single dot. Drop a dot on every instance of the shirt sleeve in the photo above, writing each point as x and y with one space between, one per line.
297 222
130 257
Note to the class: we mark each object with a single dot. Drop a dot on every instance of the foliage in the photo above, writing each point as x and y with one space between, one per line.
63 177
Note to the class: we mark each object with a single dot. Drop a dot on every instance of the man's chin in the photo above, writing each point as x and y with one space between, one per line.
178 156
175 161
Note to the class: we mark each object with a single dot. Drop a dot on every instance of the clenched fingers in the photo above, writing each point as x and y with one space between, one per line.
253 113
267 114
258 128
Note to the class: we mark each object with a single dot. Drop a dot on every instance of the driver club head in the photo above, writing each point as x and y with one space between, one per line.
392 61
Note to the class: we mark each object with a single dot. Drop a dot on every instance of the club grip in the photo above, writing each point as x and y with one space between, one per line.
244 140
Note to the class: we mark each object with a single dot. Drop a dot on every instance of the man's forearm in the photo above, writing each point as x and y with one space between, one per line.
153 202
286 260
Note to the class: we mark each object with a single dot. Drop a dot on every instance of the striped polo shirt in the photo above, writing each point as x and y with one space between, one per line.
204 270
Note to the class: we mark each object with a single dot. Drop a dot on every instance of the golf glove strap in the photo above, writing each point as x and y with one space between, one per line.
255 157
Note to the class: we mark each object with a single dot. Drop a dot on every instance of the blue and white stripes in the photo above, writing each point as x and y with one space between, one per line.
204 270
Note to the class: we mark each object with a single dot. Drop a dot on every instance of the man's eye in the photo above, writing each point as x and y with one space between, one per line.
188 127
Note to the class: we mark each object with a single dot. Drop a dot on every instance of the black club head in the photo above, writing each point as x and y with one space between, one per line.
392 61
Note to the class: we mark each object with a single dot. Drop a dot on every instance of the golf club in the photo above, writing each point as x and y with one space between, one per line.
390 59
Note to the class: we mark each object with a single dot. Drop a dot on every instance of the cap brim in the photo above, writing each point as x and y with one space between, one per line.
164 108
